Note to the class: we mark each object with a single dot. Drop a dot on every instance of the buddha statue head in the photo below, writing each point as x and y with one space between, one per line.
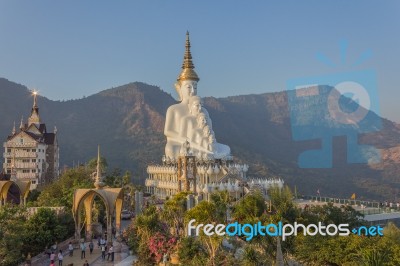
195 105
201 120
186 88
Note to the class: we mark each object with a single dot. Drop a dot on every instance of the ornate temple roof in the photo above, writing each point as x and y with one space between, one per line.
188 72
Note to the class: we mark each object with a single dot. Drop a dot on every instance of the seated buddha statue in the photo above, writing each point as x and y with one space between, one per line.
188 120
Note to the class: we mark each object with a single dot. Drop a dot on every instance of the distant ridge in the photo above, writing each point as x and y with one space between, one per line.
128 122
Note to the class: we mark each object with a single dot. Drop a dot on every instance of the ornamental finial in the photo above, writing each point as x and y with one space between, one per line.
99 179
188 72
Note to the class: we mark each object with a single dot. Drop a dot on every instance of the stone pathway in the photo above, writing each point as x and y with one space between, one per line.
93 259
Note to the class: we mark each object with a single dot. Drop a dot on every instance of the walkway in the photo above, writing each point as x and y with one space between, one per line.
94 259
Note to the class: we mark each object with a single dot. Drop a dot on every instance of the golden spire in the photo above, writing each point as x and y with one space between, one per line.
99 179
21 125
34 99
34 118
188 72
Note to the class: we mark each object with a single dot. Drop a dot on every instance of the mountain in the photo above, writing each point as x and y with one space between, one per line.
128 123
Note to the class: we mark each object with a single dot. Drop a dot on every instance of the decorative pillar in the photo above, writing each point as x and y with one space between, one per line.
87 203
179 175
194 175
109 229
185 174
77 226
118 208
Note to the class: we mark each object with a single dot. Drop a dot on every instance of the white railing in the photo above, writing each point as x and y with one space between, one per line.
168 184
26 175
161 184
25 154
16 144
20 154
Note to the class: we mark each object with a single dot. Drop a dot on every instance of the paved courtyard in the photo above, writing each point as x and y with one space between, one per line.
120 259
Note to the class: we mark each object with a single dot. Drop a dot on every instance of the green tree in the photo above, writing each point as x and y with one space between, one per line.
140 231
283 207
174 212
204 212
222 201
330 214
44 229
12 234
61 191
250 208
191 252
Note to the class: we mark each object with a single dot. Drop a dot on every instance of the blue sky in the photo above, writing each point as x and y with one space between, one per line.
71 49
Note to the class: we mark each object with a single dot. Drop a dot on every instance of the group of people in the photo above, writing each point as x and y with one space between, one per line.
82 247
60 258
106 249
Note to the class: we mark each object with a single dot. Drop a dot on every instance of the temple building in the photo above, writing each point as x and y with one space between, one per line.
194 161
32 153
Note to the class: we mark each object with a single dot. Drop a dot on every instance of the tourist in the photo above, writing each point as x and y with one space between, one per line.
109 252
83 250
103 252
52 256
112 253
60 258
91 246
86 263
71 249
52 263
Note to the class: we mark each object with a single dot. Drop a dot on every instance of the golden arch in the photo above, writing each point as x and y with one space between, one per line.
23 187
112 199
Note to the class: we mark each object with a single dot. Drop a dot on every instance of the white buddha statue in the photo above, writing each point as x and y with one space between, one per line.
188 121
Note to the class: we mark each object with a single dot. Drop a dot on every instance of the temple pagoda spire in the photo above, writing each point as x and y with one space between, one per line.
99 178
188 72
13 130
34 118
21 125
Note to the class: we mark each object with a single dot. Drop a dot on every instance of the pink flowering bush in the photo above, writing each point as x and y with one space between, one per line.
159 244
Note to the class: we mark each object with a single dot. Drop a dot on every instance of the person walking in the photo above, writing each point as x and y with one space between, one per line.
109 253
52 256
103 252
60 258
83 250
91 247
112 252
86 263
71 249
